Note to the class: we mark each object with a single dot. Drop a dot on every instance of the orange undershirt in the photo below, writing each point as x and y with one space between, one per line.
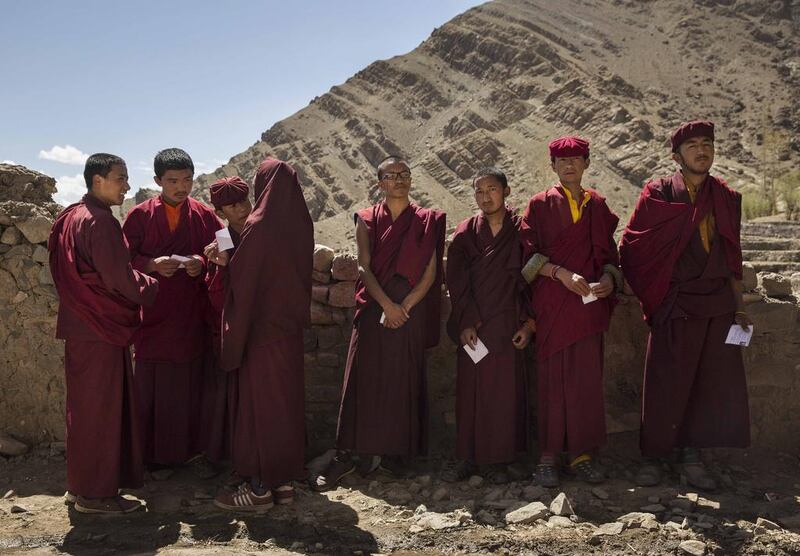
173 215
707 224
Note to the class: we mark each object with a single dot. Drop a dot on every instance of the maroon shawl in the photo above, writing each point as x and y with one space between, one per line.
405 247
91 268
483 273
269 293
583 247
660 230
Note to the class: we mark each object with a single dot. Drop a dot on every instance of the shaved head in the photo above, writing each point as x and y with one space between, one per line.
393 159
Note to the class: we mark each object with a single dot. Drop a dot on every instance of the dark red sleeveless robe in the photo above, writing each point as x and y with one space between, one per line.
171 347
384 404
487 292
569 333
267 305
100 296
695 389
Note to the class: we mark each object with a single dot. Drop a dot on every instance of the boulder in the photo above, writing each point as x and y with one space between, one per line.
749 277
345 267
11 236
527 514
692 547
775 285
11 446
561 505
35 229
342 294
323 258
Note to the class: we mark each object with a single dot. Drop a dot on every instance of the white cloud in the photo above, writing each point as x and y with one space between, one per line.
70 189
66 155
201 167
8 162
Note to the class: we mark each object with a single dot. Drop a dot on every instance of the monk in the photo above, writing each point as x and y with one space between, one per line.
229 196
567 234
267 305
100 295
487 294
171 347
384 407
682 256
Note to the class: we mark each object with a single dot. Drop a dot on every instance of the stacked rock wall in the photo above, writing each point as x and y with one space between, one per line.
31 359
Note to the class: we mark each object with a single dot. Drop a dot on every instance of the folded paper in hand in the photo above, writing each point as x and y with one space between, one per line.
591 297
739 336
181 259
383 318
224 241
478 353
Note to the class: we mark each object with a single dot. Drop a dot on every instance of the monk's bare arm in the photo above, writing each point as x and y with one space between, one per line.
572 281
395 314
741 317
419 291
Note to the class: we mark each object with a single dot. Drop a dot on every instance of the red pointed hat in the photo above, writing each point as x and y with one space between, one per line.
569 146
228 191
695 128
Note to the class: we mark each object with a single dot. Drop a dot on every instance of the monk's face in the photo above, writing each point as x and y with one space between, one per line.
237 213
395 180
695 155
175 185
570 169
111 189
490 195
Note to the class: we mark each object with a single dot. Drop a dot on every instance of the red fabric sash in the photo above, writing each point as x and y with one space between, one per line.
404 247
660 230
107 312
269 288
583 247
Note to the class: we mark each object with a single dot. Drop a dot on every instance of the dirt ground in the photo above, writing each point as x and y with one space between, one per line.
380 514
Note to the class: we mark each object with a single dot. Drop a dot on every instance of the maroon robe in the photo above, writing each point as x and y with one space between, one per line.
100 294
171 347
695 389
569 333
384 396
487 293
268 304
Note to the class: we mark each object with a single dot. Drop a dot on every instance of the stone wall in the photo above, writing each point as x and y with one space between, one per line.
31 371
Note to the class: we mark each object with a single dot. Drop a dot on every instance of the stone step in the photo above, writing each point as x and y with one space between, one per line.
775 266
772 229
780 255
769 243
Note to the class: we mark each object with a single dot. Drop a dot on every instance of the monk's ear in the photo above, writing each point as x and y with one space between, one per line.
585 162
676 156
220 214
506 192
157 180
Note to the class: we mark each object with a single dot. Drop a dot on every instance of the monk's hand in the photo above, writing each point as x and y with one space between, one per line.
742 319
214 255
469 337
574 282
165 266
522 338
407 305
395 316
194 266
604 287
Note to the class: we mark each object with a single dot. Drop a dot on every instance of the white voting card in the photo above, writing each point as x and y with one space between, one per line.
181 259
478 353
224 241
383 318
591 297
738 336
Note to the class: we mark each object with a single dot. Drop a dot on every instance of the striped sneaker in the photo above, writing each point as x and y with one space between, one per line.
243 499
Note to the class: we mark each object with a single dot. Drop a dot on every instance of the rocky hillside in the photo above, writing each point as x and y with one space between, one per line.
496 83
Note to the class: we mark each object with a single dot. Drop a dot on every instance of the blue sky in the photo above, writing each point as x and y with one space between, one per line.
132 78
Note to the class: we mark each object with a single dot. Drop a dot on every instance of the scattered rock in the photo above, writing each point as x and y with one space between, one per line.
486 517
527 514
37 228
684 504
767 524
654 499
10 494
414 488
749 277
440 494
496 494
437 521
11 446
600 493
17 509
561 505
609 529
559 522
421 509
653 508
635 519
649 524
345 267
323 258
693 547
533 492
775 285
11 236
475 481
424 480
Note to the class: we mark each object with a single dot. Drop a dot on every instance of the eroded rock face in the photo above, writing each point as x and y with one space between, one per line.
495 84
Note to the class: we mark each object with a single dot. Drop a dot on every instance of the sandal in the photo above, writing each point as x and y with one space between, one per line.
457 472
584 469
340 466
546 475
284 494
112 505
649 473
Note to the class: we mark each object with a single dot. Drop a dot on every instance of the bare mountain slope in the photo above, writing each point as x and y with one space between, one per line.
496 83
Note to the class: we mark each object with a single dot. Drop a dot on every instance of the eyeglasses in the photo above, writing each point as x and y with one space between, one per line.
396 176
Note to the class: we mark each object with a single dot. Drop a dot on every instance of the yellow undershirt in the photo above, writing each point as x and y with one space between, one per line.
707 224
577 211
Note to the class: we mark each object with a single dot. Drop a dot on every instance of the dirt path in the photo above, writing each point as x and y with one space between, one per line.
380 514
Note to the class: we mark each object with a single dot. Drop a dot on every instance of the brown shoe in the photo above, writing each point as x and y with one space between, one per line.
284 494
112 505
243 499
70 498
340 466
